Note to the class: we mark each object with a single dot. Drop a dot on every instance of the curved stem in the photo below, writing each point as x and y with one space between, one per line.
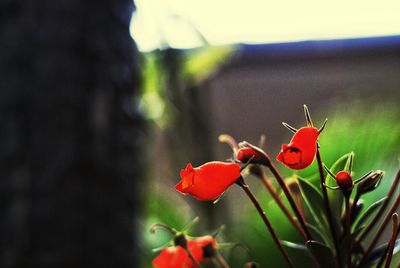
164 227
263 215
293 205
281 205
395 233
327 205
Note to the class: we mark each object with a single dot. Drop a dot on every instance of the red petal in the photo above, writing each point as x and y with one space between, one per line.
178 187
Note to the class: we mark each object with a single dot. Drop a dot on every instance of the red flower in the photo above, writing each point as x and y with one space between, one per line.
344 180
209 181
177 257
300 152
202 248
172 257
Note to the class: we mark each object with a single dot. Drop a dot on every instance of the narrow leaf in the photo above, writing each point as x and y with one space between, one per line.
313 199
322 254
369 212
293 245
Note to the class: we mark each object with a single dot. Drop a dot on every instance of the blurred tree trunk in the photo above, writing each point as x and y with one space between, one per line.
69 139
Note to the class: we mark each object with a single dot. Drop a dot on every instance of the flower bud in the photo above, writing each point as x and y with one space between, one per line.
344 181
247 153
251 154
370 182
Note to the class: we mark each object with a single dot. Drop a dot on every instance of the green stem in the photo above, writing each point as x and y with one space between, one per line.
327 205
263 215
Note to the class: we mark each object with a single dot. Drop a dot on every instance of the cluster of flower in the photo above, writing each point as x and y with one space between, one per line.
209 181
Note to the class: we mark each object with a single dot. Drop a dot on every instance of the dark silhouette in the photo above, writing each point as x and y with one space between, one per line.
70 135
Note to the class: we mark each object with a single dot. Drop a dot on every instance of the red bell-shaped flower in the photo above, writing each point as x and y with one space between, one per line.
209 181
301 150
201 249
172 257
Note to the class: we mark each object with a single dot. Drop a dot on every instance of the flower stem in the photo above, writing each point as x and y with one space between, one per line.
278 200
293 205
390 246
392 242
327 205
221 261
382 209
263 215
380 230
347 229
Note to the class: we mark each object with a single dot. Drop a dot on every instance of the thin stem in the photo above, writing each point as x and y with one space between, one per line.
221 261
327 205
382 209
395 233
282 206
392 242
380 230
354 205
347 230
289 198
263 215
164 227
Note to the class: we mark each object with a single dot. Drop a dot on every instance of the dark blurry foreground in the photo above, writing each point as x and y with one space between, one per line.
68 132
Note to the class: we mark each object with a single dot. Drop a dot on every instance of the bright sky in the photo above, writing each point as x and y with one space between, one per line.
181 23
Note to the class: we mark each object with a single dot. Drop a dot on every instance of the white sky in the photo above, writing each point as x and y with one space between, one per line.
176 23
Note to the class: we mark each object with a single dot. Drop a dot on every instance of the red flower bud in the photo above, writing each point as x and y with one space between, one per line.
344 180
172 257
202 248
209 181
301 150
246 153
177 257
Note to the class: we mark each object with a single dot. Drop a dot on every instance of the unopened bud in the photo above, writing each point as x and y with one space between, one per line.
344 181
370 182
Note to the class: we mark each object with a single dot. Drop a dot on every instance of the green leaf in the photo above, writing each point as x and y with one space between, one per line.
317 234
322 254
313 199
369 212
293 245
336 198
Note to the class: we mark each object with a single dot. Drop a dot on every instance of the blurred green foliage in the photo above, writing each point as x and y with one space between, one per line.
195 66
